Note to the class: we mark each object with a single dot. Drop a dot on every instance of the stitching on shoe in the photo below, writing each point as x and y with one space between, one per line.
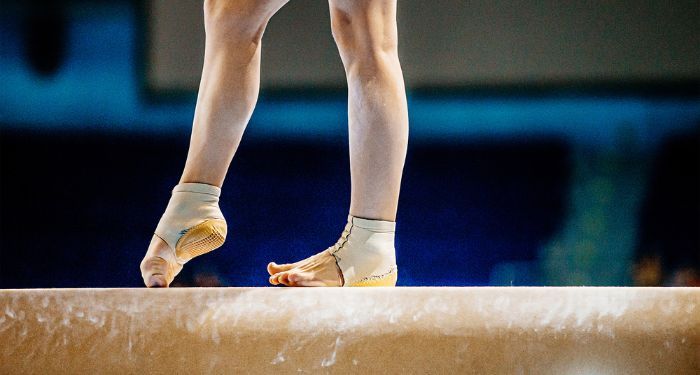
337 248
392 269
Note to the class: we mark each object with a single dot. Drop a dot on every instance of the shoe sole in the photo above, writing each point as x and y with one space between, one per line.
202 238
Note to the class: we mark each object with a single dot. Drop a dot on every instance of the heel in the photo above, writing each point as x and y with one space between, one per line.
201 239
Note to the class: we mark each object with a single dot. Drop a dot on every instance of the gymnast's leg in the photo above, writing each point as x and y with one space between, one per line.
366 35
192 223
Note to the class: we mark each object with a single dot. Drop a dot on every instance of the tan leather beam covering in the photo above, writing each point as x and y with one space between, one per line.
358 330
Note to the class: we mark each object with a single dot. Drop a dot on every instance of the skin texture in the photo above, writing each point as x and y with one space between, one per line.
366 35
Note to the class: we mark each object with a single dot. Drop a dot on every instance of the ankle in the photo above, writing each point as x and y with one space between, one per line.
365 251
373 225
378 215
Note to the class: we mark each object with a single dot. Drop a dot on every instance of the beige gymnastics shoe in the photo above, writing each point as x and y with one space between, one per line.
363 256
192 225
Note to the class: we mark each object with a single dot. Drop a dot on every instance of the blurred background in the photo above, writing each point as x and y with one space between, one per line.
551 142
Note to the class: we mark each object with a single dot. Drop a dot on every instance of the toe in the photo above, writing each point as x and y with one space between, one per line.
153 270
157 281
273 268
159 266
279 278
305 279
284 278
293 279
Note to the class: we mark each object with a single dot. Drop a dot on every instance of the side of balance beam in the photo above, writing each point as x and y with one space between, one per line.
351 330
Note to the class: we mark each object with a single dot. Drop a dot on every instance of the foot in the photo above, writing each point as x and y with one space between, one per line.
363 256
192 225
317 270
159 267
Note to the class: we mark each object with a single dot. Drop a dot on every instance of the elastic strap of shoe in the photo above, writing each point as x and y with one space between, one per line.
373 225
195 187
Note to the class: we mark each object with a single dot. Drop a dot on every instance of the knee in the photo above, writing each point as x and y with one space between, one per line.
365 31
235 20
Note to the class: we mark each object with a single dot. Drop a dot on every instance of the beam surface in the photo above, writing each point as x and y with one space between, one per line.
573 330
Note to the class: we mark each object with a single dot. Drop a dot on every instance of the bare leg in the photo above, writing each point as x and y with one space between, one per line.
227 94
366 34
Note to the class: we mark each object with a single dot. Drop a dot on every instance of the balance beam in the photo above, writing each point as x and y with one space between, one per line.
437 330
